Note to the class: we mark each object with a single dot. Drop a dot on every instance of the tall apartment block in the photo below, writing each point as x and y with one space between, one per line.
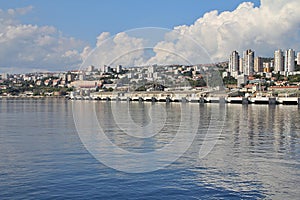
278 61
234 62
258 64
289 60
248 62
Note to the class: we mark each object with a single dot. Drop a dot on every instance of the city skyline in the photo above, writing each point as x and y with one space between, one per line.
246 62
35 41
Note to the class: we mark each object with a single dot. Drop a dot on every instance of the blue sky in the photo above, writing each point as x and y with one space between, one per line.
60 34
86 19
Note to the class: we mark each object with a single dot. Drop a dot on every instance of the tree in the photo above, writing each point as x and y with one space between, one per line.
229 80
141 88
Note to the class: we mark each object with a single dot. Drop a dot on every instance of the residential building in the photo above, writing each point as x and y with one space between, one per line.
152 68
266 67
119 69
4 76
241 65
242 80
258 64
81 76
234 62
278 61
289 60
107 69
248 62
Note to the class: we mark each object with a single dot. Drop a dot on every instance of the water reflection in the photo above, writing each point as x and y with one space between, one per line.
256 156
110 138
258 151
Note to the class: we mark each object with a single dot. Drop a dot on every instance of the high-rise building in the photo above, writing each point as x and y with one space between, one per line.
258 64
298 58
119 69
289 60
248 62
278 61
241 69
234 62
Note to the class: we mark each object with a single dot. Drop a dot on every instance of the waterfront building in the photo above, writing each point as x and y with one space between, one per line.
278 61
248 62
289 60
298 58
234 62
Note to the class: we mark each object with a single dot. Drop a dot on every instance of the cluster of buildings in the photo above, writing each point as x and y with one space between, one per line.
284 62
122 79
105 78
40 83
61 79
241 69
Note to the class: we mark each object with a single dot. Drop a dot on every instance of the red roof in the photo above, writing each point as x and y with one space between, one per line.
284 87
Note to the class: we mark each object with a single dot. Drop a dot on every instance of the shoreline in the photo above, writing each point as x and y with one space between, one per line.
201 100
33 97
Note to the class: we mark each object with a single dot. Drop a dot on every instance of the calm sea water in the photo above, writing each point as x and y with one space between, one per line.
257 155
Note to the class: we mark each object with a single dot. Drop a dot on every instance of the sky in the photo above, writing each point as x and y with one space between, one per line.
59 35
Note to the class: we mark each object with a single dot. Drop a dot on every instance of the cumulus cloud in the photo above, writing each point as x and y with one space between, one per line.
275 24
138 46
26 46
211 38
120 49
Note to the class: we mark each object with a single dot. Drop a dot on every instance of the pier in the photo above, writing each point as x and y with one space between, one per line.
185 97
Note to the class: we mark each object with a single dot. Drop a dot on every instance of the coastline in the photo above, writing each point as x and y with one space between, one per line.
148 97
33 97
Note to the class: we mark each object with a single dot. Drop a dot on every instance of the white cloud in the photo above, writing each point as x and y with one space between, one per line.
102 37
137 47
275 24
26 46
120 49
20 11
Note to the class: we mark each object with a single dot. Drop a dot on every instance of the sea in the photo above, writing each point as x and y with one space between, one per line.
61 149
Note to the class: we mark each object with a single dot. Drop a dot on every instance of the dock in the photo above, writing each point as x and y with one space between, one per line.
185 97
